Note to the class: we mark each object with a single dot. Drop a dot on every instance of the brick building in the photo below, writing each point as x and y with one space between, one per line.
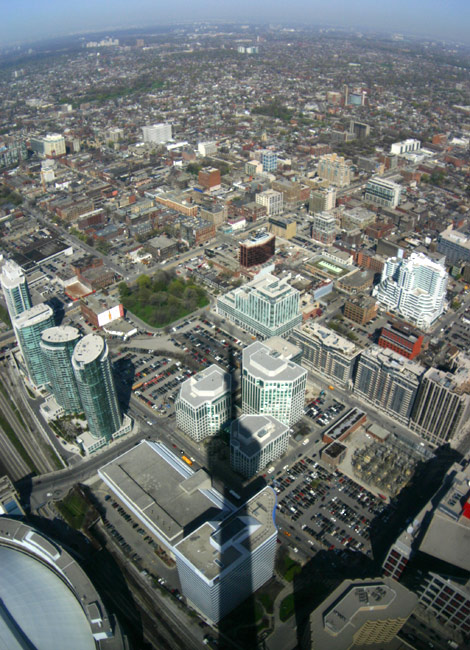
402 338
360 309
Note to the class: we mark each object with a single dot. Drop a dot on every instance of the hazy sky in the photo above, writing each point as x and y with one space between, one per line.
24 20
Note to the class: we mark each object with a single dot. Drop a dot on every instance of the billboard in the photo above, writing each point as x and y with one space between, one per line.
110 314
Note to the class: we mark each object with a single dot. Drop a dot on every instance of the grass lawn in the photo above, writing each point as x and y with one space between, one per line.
287 607
290 568
73 508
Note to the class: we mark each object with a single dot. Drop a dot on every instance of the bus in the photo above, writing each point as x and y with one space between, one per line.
187 460
137 385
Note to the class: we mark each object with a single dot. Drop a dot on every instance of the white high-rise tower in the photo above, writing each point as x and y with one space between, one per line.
15 289
414 287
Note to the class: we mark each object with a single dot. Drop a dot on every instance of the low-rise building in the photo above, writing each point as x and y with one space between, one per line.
360 613
360 309
402 338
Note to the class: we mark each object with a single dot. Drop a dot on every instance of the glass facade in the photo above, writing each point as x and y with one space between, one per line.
57 346
28 327
15 289
96 388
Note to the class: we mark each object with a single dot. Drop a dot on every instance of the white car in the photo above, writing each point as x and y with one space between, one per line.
305 442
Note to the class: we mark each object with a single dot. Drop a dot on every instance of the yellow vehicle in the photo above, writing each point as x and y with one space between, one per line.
187 460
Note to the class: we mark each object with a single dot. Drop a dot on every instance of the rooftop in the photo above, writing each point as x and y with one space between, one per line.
264 363
329 338
207 385
337 621
38 587
168 496
214 548
60 334
250 433
451 521
88 348
33 316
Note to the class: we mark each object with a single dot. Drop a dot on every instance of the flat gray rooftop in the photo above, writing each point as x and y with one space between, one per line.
250 433
451 524
263 363
88 348
206 386
339 618
168 496
214 548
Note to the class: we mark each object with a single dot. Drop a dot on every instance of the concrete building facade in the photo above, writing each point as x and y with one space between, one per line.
204 404
272 385
255 441
157 133
388 381
335 169
273 202
382 192
415 288
266 306
327 353
223 553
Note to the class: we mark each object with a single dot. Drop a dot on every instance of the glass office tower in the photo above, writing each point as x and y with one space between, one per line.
57 345
92 370
29 327
15 289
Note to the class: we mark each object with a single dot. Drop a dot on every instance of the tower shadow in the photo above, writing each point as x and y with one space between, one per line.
239 615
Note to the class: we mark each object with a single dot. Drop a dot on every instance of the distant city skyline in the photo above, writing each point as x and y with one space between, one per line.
28 20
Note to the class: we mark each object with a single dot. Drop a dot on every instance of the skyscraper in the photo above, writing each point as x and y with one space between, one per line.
415 288
28 327
442 408
272 385
223 552
95 382
204 403
15 289
57 346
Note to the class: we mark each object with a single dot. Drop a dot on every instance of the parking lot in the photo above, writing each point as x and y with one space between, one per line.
328 510
155 379
323 413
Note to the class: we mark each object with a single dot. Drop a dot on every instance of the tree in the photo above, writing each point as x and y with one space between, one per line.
124 290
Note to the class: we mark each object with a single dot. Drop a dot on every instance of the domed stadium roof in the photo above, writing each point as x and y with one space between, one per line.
37 609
